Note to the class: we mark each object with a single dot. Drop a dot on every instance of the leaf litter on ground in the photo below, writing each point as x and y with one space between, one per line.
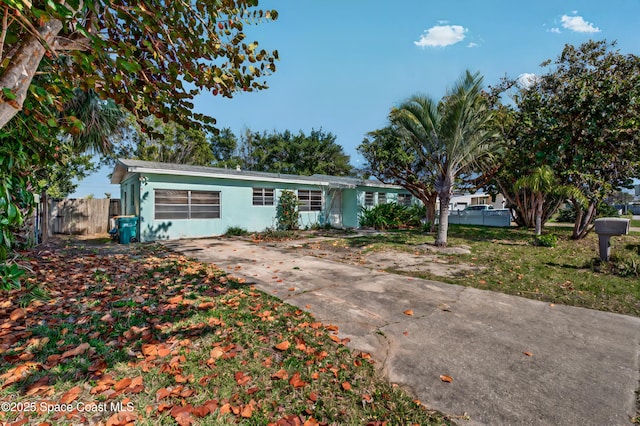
142 335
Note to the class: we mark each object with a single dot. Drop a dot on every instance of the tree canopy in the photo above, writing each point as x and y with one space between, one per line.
149 58
582 119
301 154
393 159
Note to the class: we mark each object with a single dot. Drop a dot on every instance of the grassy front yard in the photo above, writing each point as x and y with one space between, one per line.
568 273
141 335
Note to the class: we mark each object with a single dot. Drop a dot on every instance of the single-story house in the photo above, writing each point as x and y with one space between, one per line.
175 201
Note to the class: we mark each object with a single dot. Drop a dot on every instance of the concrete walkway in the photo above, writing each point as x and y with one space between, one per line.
513 361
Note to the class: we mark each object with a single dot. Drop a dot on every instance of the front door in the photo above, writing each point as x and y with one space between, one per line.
335 213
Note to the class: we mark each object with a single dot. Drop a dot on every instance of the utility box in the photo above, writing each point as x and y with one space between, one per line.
606 228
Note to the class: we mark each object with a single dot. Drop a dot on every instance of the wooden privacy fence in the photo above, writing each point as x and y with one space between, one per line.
82 216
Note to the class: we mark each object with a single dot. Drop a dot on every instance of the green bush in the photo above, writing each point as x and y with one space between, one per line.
625 264
287 214
568 214
391 216
235 231
607 210
546 240
10 276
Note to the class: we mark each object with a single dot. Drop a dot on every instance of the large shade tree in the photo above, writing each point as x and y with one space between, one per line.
150 58
455 135
582 119
393 159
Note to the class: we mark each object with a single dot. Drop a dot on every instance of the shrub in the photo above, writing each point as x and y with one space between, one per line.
607 210
287 215
567 215
625 264
235 231
391 216
10 276
546 240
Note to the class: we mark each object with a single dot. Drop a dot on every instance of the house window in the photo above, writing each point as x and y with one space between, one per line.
174 204
382 198
369 200
404 199
310 201
262 196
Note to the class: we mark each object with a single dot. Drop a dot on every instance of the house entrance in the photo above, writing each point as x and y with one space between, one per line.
335 212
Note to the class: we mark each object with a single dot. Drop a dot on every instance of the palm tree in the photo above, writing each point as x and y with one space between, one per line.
455 135
101 121
541 184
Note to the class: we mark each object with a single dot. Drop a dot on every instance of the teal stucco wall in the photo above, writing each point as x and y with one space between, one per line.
236 207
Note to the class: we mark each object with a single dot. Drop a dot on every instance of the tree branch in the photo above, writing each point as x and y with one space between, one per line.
24 64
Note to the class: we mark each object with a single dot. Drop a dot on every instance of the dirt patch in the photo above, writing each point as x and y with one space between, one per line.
418 263
424 258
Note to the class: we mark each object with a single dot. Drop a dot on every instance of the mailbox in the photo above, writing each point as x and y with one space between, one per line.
607 227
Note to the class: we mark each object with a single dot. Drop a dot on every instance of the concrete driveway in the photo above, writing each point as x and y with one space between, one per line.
513 361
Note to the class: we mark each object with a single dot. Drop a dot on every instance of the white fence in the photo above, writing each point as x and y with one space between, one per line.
497 217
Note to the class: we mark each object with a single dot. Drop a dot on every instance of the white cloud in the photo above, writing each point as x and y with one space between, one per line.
578 24
441 35
526 80
555 30
472 44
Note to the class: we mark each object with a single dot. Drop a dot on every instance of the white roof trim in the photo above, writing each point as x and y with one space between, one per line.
223 176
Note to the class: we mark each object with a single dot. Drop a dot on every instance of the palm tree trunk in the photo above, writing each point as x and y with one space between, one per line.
443 224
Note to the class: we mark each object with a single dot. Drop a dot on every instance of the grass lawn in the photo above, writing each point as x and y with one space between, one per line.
149 337
568 273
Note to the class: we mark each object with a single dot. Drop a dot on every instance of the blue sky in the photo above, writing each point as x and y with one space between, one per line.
345 63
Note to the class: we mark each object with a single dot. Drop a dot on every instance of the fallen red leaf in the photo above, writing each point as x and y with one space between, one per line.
17 314
283 346
445 378
80 349
122 384
280 374
71 395
296 381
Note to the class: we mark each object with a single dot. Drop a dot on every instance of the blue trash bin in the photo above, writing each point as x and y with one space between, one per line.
127 227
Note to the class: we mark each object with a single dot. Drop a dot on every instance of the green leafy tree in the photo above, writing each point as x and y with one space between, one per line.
455 135
224 145
538 186
393 159
582 119
300 154
149 58
164 142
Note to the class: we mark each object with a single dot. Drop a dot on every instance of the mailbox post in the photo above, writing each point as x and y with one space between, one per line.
606 228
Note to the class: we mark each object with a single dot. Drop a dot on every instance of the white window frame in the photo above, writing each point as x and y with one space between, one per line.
310 200
369 199
263 197
382 198
405 199
188 209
